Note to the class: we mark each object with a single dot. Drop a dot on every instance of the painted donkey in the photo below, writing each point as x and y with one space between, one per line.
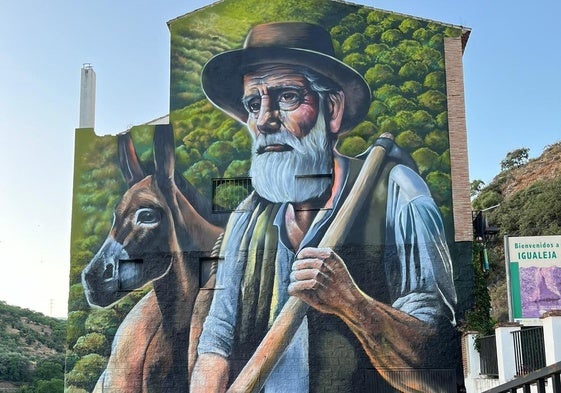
161 229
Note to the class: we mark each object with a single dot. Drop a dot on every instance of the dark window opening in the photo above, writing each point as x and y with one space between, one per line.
207 268
130 274
314 176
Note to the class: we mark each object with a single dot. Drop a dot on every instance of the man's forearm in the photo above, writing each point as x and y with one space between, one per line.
391 339
389 336
210 374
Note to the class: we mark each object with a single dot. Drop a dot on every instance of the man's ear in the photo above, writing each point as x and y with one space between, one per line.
336 107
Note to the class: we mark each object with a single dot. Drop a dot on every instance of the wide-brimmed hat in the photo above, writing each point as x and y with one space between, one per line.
287 43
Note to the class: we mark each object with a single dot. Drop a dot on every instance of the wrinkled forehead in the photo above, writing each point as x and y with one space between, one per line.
271 76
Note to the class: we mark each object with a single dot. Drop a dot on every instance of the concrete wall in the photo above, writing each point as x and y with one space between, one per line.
477 382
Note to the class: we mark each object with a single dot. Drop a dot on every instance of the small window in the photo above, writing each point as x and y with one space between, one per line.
207 267
131 274
314 176
228 193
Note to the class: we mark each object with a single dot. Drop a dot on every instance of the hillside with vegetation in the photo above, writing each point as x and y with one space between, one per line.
522 200
32 351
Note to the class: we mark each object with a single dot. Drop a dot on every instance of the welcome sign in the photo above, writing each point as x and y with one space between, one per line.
535 275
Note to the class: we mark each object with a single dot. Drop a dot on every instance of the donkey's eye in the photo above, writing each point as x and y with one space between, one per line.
147 216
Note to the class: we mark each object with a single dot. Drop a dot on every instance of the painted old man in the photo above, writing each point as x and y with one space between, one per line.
379 302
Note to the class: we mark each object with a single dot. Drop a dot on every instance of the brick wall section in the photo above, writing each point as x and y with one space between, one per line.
458 139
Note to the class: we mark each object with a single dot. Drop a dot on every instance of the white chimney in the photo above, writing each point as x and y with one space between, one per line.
87 97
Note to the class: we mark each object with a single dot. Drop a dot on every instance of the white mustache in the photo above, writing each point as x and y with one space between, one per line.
282 137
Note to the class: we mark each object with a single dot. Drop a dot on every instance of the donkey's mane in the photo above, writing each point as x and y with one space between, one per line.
201 204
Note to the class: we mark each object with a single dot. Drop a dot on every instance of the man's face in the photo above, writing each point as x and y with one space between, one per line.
289 130
278 98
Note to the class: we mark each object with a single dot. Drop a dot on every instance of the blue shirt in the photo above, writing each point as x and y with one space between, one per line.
422 276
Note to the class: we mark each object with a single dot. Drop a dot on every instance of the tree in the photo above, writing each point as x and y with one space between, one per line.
339 32
440 186
379 74
386 91
242 143
475 187
373 32
76 326
353 145
238 168
422 122
426 159
374 50
199 175
353 22
399 103
437 140
533 211
353 43
388 124
91 343
377 108
14 367
86 371
433 100
422 35
515 159
358 61
409 140
411 88
229 196
409 25
413 70
185 158
54 385
365 129
435 80
220 153
47 370
391 37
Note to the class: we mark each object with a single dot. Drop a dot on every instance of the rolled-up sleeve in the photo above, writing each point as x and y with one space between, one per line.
218 329
417 260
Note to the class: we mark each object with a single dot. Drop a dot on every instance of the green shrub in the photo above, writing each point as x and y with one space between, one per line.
86 372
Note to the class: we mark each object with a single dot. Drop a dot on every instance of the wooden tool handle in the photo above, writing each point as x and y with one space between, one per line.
257 370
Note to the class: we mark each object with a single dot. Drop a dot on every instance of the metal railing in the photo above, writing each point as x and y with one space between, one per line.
529 350
227 193
424 380
550 374
488 363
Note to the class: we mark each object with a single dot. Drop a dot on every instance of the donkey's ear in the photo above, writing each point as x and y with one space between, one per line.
130 165
164 153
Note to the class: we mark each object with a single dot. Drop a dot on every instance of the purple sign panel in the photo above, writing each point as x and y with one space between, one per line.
535 266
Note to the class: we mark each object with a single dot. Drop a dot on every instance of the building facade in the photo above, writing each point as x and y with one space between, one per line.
179 251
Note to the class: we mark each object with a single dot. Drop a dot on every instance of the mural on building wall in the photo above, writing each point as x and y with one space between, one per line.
180 290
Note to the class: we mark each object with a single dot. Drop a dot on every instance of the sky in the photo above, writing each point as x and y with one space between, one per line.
512 93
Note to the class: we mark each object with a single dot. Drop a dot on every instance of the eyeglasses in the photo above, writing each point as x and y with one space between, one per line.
283 98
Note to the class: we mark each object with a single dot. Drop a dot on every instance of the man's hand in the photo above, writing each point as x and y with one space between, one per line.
320 278
391 338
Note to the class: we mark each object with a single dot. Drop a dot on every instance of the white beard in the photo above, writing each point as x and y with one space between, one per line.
292 176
